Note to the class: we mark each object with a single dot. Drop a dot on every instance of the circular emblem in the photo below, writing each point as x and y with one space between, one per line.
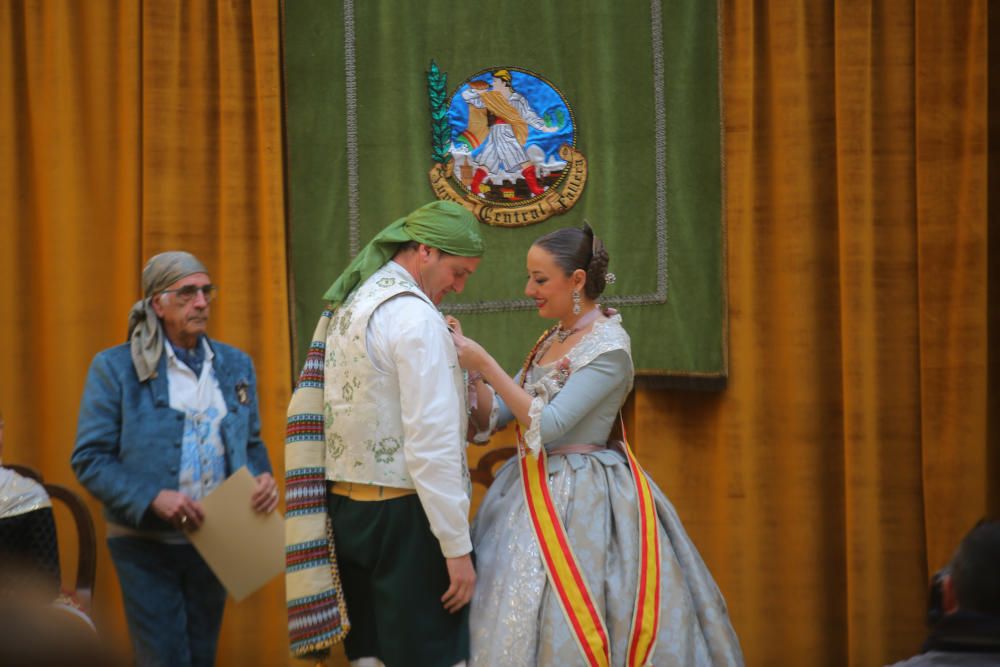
505 146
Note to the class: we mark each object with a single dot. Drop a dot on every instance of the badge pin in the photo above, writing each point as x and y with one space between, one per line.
242 394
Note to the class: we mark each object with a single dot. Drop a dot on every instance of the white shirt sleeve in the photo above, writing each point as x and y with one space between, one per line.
407 336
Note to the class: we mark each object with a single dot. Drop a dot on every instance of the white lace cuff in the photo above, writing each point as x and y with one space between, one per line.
481 437
533 437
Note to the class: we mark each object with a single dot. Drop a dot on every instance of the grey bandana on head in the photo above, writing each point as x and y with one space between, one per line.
144 331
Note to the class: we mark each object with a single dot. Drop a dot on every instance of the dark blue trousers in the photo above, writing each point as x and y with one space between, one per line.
173 602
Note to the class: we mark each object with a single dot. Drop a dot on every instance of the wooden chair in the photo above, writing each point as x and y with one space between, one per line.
86 565
485 469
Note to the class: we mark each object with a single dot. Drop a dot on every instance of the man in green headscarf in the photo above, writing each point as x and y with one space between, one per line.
384 376
445 226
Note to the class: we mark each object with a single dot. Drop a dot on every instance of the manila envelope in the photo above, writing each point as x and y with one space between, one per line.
244 549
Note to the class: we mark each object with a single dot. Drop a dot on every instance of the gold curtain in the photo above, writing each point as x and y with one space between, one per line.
852 448
133 128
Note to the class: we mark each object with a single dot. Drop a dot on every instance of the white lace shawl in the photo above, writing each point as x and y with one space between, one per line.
604 336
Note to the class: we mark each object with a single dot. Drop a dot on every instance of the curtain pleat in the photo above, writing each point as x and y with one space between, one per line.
138 127
212 184
879 336
69 232
959 484
852 448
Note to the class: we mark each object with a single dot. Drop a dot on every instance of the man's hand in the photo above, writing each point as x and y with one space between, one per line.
463 583
179 510
265 495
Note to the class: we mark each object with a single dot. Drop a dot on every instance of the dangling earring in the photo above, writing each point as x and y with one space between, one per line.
576 302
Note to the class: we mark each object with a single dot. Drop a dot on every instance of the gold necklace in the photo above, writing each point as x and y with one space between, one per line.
562 334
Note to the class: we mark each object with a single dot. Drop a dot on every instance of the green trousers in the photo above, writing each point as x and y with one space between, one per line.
394 575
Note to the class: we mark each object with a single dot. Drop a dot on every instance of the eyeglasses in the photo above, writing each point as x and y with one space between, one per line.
188 292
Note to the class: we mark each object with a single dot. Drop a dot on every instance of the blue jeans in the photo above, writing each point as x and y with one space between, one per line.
173 602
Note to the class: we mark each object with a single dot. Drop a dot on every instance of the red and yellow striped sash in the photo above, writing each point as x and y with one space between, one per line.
564 573
646 613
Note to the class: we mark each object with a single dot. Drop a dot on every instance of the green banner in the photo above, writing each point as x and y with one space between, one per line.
621 127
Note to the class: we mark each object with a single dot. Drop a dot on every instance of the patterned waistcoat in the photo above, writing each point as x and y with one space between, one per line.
362 416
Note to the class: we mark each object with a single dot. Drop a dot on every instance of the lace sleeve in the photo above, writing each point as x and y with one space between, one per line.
533 437
481 437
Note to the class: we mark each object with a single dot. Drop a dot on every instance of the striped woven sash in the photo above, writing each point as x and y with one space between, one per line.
314 596
563 569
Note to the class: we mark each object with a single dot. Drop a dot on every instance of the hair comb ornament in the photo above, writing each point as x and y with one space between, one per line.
610 278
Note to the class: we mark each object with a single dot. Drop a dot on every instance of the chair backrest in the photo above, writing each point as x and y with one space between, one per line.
86 566
483 473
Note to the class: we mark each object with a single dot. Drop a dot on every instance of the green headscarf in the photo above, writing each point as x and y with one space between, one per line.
444 225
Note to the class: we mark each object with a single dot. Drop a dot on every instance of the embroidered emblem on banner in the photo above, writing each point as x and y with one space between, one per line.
504 146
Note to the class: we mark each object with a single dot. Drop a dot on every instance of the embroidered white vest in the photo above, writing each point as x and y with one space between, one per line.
362 415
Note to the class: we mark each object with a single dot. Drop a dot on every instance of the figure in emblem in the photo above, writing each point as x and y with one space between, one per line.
504 146
503 115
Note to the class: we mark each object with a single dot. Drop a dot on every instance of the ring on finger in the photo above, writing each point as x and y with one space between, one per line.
184 519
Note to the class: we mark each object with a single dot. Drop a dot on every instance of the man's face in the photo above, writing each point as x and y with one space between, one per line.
184 316
441 273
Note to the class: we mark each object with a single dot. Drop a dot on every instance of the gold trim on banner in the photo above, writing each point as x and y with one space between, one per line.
555 201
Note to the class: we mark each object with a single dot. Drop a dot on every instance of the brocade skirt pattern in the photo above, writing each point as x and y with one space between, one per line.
516 619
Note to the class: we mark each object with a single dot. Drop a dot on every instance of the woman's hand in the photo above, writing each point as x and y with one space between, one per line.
473 358
471 355
454 325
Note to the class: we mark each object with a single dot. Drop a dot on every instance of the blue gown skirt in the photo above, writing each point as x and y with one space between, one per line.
516 619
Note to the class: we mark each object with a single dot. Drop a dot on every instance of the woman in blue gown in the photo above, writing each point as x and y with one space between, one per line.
569 401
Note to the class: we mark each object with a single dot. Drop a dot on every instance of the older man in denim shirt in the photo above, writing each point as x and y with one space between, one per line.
164 419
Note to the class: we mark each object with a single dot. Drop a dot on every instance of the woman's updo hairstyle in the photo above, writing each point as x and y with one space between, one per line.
578 248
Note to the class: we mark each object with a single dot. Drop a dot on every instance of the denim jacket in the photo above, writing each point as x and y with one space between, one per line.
128 439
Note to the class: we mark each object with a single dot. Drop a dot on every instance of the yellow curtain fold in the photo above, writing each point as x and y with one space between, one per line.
851 449
212 183
959 484
138 127
879 333
69 255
